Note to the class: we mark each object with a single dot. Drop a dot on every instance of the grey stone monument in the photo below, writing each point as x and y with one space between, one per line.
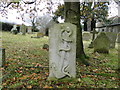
112 36
29 29
101 43
23 29
62 51
86 36
118 38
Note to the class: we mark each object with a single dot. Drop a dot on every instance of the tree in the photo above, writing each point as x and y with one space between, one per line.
91 11
29 12
72 15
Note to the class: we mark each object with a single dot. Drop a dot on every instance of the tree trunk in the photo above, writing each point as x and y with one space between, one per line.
93 24
85 25
72 15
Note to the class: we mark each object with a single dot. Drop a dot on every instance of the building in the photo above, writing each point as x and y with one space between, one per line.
113 27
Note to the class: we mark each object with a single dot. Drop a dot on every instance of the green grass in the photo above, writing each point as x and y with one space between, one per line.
27 65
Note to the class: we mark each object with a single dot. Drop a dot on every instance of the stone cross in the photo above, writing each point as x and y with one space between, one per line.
62 51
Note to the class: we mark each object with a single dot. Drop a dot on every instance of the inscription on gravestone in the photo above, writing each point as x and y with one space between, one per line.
62 51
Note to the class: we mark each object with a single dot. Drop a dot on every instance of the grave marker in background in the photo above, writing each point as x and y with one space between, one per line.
23 29
118 38
101 43
112 36
86 36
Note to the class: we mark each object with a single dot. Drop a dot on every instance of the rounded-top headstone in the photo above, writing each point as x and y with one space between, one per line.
101 43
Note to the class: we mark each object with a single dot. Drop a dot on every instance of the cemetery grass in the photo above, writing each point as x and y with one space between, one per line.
27 66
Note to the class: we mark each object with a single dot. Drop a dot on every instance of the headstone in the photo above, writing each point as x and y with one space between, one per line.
101 43
118 38
62 51
112 36
89 25
86 36
14 29
23 29
2 57
29 29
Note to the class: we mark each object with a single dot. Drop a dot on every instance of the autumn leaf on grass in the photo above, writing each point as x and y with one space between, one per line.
24 77
37 65
47 86
14 78
95 70
19 71
36 78
83 76
33 74
29 86
47 73
32 68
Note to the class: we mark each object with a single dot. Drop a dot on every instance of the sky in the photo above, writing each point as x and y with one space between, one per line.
113 9
12 14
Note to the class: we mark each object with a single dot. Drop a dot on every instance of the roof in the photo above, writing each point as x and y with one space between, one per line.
115 22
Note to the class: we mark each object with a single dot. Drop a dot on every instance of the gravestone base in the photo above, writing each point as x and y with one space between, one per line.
65 79
101 51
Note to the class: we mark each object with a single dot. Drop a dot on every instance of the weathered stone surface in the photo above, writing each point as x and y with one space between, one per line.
101 43
62 51
86 36
118 38
112 36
